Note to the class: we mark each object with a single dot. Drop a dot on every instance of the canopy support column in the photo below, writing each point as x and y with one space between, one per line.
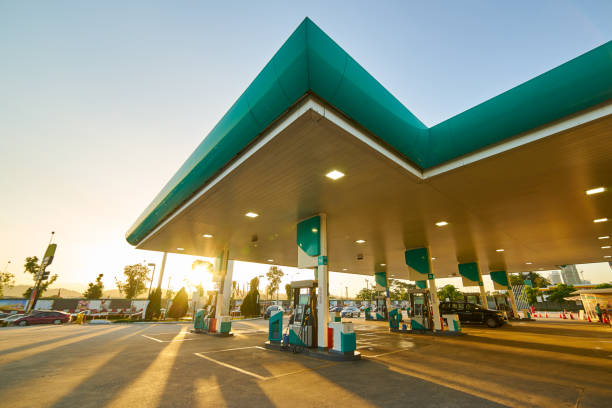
224 271
420 261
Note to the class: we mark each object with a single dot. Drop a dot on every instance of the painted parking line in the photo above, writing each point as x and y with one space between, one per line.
384 354
163 341
249 373
231 349
240 370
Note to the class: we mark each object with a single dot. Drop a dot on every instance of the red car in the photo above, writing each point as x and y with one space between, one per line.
41 317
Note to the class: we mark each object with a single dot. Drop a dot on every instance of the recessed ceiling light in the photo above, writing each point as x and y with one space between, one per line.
344 269
606 247
270 260
251 214
180 249
360 241
433 259
392 275
441 223
600 220
334 175
595 190
499 250
383 264
207 236
528 263
607 256
604 237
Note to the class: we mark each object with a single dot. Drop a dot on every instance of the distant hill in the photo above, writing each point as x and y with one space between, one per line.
17 292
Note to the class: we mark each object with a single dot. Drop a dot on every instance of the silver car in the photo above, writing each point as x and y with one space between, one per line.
350 311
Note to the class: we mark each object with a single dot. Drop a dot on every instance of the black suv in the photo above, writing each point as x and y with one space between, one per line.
471 313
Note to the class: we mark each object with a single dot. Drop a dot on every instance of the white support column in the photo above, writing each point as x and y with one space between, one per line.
512 300
483 295
433 294
161 270
224 295
388 295
323 283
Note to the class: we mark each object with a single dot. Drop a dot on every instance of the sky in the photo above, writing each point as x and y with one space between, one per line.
101 102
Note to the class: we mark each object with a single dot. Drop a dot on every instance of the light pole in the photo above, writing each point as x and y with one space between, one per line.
152 276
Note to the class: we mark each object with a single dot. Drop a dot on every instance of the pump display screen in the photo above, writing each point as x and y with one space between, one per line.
304 299
299 313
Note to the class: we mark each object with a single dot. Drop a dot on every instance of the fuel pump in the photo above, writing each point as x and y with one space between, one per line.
303 322
211 305
381 308
419 313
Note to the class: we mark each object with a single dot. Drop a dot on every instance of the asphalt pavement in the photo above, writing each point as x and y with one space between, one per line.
526 364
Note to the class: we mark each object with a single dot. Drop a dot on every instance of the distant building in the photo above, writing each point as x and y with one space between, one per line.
570 275
555 278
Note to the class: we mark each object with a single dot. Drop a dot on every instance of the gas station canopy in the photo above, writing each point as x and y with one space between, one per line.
508 176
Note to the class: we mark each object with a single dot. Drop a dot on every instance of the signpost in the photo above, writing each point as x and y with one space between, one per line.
42 274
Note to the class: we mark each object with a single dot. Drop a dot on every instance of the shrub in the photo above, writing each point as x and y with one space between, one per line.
179 305
154 306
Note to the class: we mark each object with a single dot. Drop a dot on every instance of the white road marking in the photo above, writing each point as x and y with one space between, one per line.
384 354
152 338
231 349
163 341
240 370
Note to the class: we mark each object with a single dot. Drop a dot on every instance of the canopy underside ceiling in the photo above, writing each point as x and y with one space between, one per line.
530 201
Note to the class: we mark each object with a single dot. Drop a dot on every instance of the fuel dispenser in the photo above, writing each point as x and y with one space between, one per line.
419 314
303 322
381 312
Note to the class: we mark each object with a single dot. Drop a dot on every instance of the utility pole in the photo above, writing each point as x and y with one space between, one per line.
42 274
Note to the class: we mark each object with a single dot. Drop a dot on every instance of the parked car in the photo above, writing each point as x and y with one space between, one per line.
40 317
9 316
350 311
272 309
471 313
335 309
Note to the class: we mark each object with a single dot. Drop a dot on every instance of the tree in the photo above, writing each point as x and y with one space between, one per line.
274 276
559 292
7 280
532 295
449 292
32 266
399 289
537 280
94 291
366 294
179 305
250 303
600 286
154 307
136 277
289 292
